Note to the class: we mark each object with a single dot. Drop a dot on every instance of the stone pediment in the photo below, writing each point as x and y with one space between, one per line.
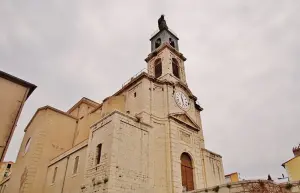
185 119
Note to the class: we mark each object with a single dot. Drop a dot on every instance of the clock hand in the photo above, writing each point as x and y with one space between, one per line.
181 99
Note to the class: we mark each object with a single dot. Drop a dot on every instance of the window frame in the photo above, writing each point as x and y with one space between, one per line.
76 164
176 70
27 145
54 175
157 43
157 63
98 153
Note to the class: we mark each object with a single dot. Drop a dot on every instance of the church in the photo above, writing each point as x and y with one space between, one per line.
146 137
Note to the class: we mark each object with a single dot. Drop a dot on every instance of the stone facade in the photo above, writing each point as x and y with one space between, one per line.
132 142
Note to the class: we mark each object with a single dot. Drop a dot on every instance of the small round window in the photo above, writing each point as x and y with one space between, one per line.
27 146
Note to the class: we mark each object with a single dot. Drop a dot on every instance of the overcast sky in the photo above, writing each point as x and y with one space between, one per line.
242 64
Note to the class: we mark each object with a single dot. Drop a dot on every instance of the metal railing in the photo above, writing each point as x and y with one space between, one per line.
136 75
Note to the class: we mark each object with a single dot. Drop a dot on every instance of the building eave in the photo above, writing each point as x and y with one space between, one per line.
158 32
86 101
231 174
283 165
19 81
162 47
69 152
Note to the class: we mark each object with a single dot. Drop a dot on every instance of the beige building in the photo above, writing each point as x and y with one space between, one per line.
14 93
146 137
5 170
233 177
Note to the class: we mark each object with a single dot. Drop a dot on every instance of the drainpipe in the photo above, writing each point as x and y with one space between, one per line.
63 184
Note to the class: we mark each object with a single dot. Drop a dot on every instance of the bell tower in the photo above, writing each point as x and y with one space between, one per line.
164 35
165 61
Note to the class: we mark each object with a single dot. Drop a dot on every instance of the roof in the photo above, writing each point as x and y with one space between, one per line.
19 81
231 174
51 108
84 100
163 46
283 165
211 152
168 30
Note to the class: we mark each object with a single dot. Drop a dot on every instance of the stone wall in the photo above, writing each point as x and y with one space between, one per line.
124 159
66 180
247 186
293 186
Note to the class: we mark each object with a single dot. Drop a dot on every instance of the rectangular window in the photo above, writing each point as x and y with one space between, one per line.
54 174
75 169
99 147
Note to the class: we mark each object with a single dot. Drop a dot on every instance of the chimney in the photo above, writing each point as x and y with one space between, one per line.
296 151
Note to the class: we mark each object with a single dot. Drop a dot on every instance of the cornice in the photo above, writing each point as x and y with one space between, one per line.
161 48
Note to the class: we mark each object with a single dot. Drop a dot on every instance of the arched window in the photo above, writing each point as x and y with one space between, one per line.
157 43
187 172
171 42
157 68
175 67
75 168
54 175
27 145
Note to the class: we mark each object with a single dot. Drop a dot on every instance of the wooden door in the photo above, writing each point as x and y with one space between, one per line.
187 172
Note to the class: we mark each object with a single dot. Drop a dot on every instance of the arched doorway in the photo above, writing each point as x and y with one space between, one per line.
187 172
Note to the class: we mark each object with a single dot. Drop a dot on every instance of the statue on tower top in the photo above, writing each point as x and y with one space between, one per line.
162 24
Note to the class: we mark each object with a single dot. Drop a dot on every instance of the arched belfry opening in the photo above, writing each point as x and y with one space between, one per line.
187 175
157 43
175 67
171 42
157 68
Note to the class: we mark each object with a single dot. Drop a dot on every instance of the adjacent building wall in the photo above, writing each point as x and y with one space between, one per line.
14 93
234 177
293 169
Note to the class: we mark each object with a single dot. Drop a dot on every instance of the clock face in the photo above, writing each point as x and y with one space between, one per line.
181 100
